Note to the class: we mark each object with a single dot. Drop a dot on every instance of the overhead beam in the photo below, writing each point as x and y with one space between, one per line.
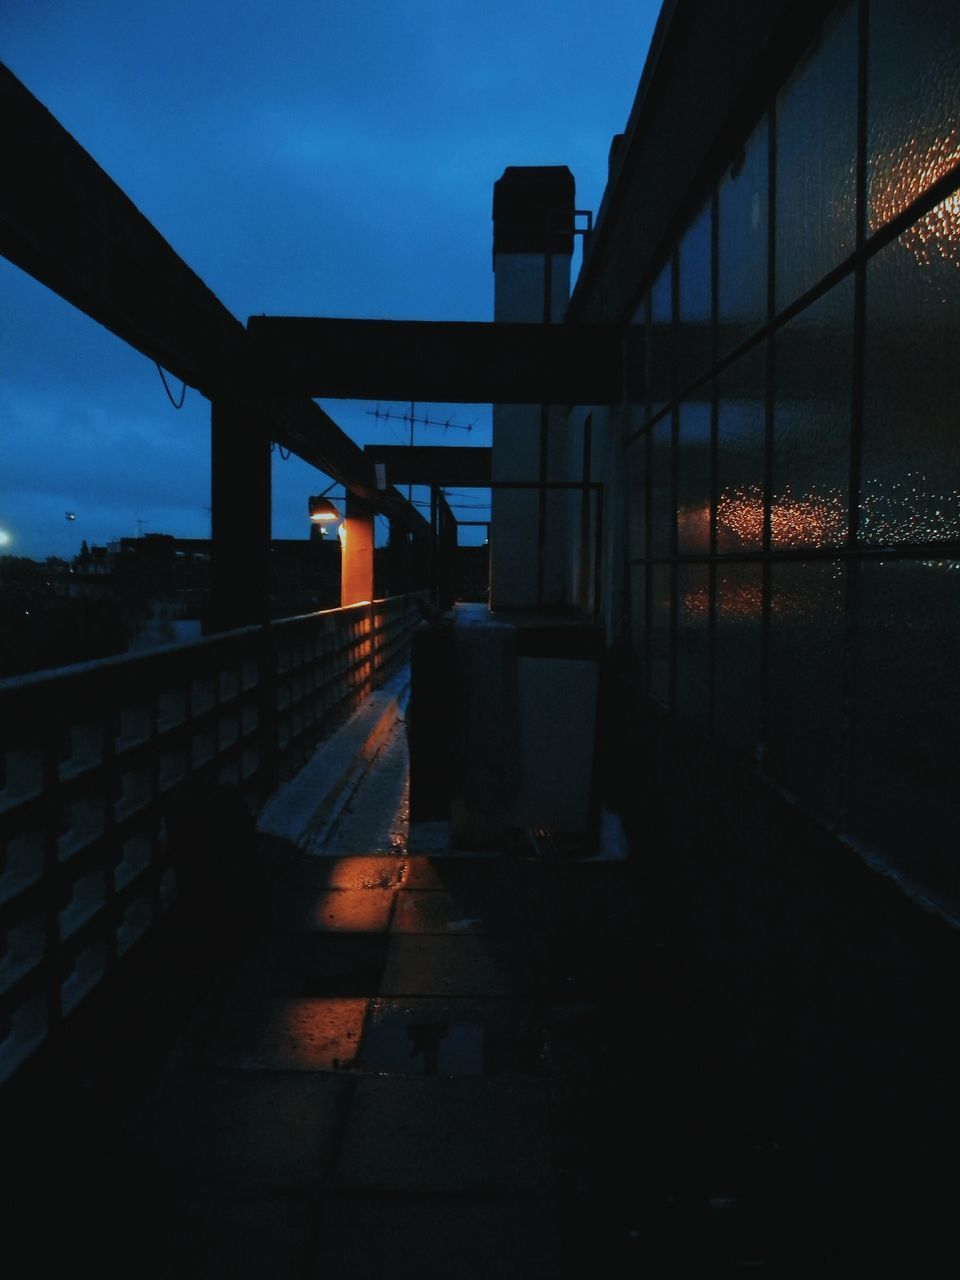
444 361
68 224
65 222
312 434
465 465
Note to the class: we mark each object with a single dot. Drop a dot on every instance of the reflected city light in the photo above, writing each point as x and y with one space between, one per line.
739 600
811 519
695 603
901 177
909 510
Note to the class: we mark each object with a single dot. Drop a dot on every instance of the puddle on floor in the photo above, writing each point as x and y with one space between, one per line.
434 1036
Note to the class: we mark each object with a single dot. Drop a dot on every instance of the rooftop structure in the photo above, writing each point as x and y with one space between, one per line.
723 560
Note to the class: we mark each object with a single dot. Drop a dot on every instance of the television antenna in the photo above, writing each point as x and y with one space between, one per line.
448 424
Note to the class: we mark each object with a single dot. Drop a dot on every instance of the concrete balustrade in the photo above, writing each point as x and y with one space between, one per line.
95 758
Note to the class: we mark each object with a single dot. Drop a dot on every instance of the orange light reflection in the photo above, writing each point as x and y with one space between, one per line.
902 176
312 1034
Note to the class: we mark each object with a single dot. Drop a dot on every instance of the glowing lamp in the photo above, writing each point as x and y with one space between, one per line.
322 510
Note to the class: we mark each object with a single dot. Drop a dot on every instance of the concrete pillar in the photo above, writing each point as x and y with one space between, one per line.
240 519
532 248
356 564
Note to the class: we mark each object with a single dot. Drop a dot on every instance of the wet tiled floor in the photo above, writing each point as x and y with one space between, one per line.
422 1066
436 1067
386 1057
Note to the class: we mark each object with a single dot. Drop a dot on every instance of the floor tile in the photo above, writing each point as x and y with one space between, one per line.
437 1238
468 910
179 1237
334 910
444 965
499 872
314 963
585 964
277 1033
252 1129
570 904
443 1134
586 1036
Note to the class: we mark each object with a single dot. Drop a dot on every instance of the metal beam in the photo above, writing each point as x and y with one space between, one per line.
443 361
440 464
303 427
65 222
68 224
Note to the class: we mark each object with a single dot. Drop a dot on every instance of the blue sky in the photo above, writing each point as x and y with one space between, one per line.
327 158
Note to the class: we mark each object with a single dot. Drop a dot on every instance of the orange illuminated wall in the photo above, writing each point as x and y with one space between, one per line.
356 564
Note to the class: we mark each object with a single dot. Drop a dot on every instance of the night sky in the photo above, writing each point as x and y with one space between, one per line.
326 158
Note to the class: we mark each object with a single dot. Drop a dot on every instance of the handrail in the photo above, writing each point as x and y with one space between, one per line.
95 757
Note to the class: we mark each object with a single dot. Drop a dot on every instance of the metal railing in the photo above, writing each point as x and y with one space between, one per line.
94 757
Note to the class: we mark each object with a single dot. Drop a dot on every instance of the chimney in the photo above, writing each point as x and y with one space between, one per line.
532 248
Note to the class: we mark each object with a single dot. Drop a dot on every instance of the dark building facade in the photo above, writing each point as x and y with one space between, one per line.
781 237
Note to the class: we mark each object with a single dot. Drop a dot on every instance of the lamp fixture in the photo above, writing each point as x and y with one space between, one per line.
321 510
